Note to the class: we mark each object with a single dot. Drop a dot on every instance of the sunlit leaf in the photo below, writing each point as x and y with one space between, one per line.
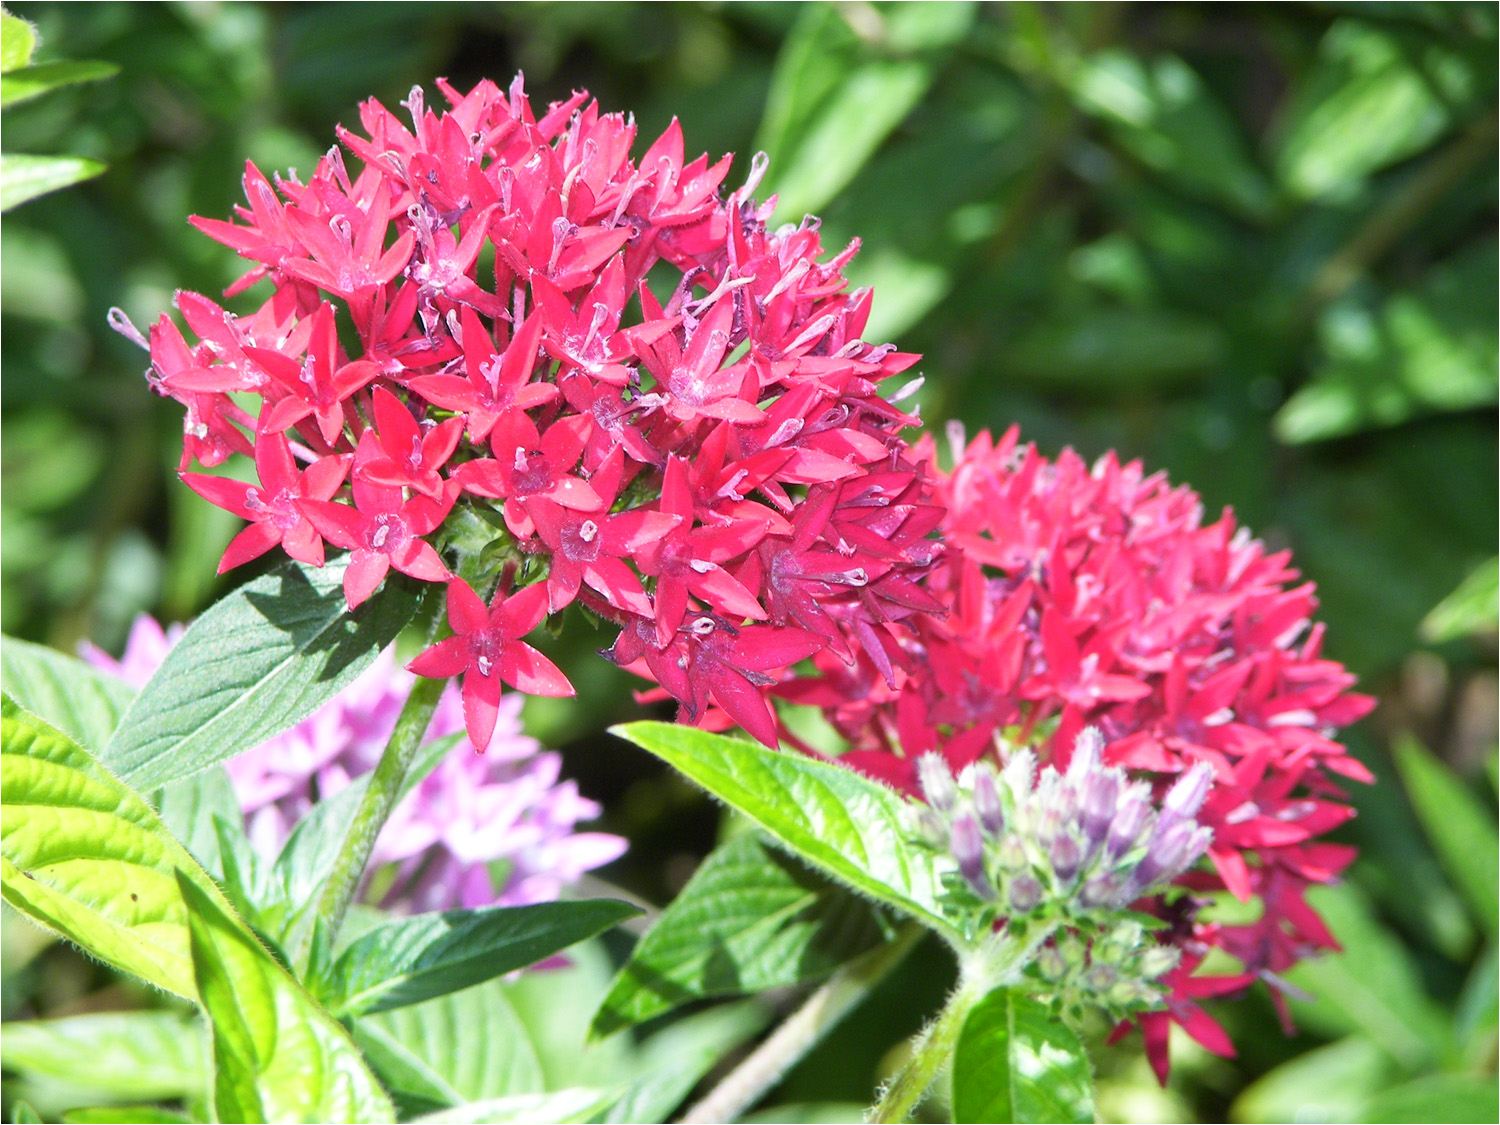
144 1055
1471 610
17 86
82 701
23 178
1016 1061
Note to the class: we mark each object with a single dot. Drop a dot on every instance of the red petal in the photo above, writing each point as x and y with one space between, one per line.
365 572
447 658
523 667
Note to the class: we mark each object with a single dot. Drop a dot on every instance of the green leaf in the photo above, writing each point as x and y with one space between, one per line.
116 1055
1364 107
260 660
1460 826
463 1047
1436 1097
1471 610
555 1006
1477 1013
853 828
21 85
751 918
125 1115
560 1107
86 856
1106 349
80 700
1425 349
22 1114
1373 986
277 1055
23 178
1015 1061
192 807
414 959
676 1058
1328 1083
17 42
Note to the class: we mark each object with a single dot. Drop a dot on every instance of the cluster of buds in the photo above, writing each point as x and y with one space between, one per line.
1098 596
1117 970
464 328
1079 845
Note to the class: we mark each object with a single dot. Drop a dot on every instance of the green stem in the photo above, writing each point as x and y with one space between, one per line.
379 799
802 1031
996 963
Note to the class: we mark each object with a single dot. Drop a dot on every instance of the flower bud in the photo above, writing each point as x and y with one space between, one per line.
1157 961
1166 855
1012 855
987 803
1101 977
968 848
1186 797
1051 963
936 781
1100 795
1130 818
1088 754
1066 858
1025 894
1101 891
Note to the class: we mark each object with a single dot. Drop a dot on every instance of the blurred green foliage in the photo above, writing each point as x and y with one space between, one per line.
1254 246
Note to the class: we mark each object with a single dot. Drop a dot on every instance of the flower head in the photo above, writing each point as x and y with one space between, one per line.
466 324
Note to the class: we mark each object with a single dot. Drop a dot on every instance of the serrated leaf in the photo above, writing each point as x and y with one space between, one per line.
852 828
560 1107
85 855
750 919
414 959
17 86
132 1055
277 1055
1461 828
1015 1061
23 178
82 701
260 660
673 1060
464 1047
17 42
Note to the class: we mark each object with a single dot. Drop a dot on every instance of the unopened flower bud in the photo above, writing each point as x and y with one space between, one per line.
1130 818
1101 977
1186 797
1012 855
968 849
1073 950
1100 796
1048 825
1066 858
1157 961
1051 963
987 803
1025 894
1101 891
1088 754
936 781
1167 854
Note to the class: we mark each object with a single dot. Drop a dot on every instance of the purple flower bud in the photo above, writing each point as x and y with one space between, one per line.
1025 894
1101 977
987 803
1167 855
1088 754
1066 858
1048 825
1100 891
968 849
1099 799
1130 818
1186 797
936 781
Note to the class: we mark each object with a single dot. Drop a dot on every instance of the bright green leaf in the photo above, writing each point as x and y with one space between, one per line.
853 828
751 918
1460 826
555 1006
86 856
23 178
1373 986
261 659
17 42
80 700
1327 1083
414 959
21 85
1436 1097
192 807
464 1047
145 1055
277 1055
560 1107
1471 610
1015 1061
126 1115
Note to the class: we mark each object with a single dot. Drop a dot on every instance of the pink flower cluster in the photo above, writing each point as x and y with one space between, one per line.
1098 597
466 322
478 830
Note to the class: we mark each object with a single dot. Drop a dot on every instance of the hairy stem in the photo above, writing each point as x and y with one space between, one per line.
802 1031
379 799
996 963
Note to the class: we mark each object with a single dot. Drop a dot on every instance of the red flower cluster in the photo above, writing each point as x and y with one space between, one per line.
467 322
1083 597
